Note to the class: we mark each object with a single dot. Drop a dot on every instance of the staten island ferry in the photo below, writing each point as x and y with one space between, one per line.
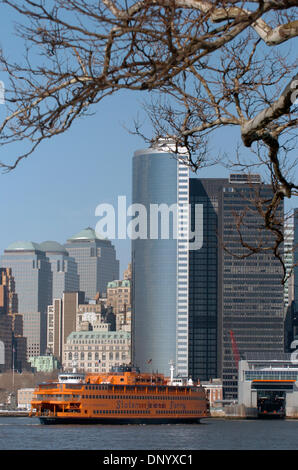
121 396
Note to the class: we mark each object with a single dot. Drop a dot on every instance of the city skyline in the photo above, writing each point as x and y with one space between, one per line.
84 217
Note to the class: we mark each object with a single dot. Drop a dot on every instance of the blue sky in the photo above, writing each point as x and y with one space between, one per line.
54 193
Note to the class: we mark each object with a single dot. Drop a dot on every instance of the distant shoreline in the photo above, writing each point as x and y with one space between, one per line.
13 413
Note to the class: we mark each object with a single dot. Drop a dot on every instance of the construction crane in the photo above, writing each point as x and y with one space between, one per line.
235 348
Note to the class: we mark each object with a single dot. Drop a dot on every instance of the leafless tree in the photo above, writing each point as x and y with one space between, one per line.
207 64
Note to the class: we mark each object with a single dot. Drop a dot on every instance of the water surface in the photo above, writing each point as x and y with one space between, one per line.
211 434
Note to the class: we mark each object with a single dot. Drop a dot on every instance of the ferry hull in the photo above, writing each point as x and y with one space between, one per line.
271 415
55 420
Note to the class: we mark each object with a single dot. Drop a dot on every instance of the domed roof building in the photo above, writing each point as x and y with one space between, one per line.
52 247
86 234
31 270
24 246
64 268
96 260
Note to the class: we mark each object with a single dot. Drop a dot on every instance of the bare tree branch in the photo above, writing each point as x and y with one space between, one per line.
209 64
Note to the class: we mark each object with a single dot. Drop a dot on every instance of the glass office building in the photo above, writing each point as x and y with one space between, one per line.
295 258
160 261
229 292
289 261
64 269
204 281
33 284
96 261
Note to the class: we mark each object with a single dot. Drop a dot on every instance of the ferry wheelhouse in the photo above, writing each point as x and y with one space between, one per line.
123 395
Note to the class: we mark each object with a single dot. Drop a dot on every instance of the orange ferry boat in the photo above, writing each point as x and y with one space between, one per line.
122 396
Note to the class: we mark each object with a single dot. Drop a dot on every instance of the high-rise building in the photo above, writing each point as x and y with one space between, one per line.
204 283
33 285
295 259
127 275
5 324
289 261
96 261
62 318
160 260
233 298
17 346
292 311
64 269
119 298
6 342
8 296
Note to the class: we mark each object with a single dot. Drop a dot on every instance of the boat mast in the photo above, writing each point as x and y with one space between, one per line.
172 368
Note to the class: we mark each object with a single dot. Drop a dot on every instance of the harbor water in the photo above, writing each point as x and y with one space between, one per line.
25 433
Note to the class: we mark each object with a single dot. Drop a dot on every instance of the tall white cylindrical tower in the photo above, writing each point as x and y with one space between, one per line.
160 262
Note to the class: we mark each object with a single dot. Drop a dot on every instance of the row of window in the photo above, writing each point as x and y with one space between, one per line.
98 341
145 397
175 412
96 356
121 412
58 397
98 348
272 374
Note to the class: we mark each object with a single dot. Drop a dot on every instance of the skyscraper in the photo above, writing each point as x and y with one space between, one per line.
33 284
96 261
8 296
12 321
119 299
160 260
205 265
65 276
62 321
289 253
295 258
232 295
292 311
5 342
